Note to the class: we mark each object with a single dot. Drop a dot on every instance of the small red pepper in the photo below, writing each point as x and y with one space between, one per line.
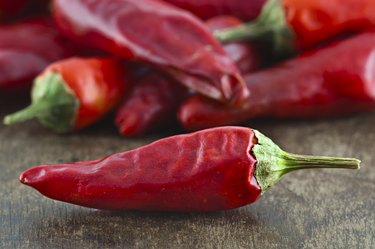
211 170
157 33
26 48
301 24
244 9
336 80
74 93
154 101
152 104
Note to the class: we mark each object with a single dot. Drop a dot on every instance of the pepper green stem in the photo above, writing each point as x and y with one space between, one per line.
271 26
273 163
53 103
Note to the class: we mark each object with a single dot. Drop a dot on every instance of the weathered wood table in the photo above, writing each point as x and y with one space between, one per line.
307 209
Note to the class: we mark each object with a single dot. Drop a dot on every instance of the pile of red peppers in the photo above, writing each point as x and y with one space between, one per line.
199 65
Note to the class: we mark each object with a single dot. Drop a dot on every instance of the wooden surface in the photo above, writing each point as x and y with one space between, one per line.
307 209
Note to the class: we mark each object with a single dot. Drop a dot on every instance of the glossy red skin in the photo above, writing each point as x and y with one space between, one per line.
28 47
244 9
334 81
246 55
152 104
167 37
318 20
98 83
209 170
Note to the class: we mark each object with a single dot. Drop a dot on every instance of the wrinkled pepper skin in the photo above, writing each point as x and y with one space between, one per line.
74 93
179 173
243 9
247 55
28 47
168 37
336 80
211 170
152 104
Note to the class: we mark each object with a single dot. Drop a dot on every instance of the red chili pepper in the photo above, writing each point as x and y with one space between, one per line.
248 56
166 36
26 48
244 9
154 101
333 81
73 93
211 170
152 104
301 24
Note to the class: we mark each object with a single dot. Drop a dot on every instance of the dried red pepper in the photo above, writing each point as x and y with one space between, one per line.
301 24
154 101
332 81
152 104
211 170
26 48
73 93
244 9
167 37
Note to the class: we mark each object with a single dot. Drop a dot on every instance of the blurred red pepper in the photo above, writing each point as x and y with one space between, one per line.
74 93
244 9
152 104
157 33
333 81
300 24
211 170
154 101
26 48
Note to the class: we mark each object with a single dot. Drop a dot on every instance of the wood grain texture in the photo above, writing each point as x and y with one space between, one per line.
307 209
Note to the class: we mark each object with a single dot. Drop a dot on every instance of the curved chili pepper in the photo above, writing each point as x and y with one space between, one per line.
152 104
74 93
300 24
244 9
166 36
211 170
26 48
333 81
154 101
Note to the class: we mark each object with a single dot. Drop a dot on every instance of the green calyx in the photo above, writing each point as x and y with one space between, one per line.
53 104
271 26
273 163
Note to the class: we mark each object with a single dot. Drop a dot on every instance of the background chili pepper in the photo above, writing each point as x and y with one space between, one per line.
209 170
167 37
152 104
300 24
26 48
246 10
333 81
73 93
154 101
